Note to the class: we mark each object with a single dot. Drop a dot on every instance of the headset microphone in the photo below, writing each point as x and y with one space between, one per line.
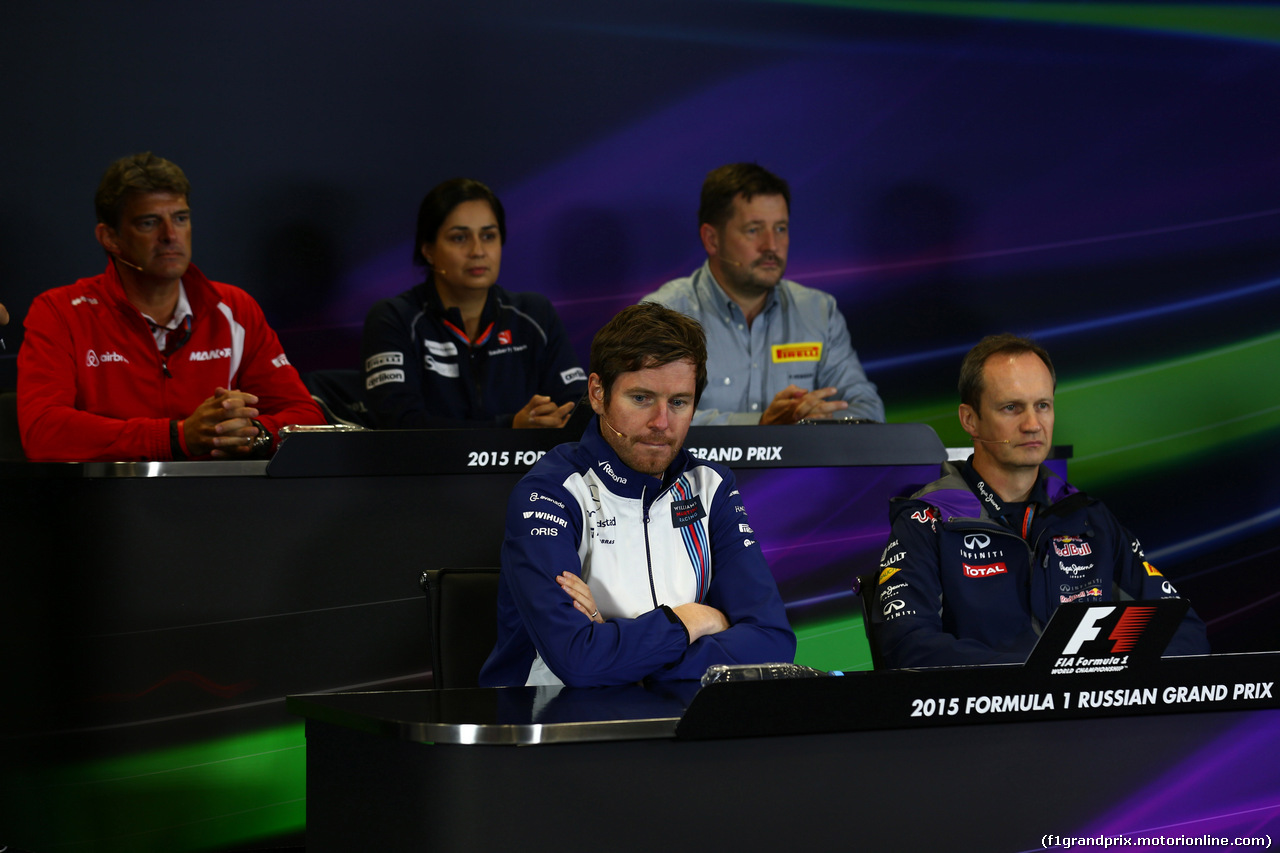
605 421
127 264
992 440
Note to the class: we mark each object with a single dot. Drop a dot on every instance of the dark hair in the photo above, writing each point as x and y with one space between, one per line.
137 173
971 379
725 184
648 335
440 202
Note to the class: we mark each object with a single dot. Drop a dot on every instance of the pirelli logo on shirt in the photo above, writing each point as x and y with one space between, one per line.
783 353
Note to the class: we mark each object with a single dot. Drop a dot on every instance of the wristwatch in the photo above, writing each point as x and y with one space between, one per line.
261 447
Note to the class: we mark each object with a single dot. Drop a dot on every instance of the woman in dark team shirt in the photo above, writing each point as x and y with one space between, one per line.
457 350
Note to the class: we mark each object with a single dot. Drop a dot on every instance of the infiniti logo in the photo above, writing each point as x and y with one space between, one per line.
976 541
896 604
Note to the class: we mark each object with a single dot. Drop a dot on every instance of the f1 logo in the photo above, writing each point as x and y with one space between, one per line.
1087 629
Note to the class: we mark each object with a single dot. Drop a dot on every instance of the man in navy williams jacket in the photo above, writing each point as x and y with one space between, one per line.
626 558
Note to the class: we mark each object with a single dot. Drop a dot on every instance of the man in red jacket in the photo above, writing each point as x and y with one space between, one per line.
151 360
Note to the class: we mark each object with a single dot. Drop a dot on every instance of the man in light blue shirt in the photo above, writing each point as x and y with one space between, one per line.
778 351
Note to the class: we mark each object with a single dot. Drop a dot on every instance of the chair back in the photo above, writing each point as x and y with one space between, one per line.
464 622
10 438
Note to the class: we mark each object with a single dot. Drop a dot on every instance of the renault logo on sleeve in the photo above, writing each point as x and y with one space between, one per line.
976 541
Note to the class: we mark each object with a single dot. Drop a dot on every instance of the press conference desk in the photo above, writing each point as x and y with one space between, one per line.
853 762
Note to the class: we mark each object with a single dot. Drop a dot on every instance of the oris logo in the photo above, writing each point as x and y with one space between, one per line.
976 541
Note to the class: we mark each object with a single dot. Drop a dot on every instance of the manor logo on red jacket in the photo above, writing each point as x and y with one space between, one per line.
211 354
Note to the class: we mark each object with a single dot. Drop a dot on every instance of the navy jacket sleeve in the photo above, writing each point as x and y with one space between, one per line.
392 370
906 616
1139 579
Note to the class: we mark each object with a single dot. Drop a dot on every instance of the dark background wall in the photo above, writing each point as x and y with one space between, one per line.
1102 175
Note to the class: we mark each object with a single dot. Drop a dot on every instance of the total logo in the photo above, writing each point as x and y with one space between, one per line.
984 571
92 359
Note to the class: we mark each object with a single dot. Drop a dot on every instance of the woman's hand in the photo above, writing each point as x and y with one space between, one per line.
540 412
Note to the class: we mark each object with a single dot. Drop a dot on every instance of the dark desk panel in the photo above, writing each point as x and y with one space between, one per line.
512 768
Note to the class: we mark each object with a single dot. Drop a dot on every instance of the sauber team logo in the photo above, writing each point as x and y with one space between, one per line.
984 571
504 337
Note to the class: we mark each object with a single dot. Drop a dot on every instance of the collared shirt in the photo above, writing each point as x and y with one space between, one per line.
799 338
180 313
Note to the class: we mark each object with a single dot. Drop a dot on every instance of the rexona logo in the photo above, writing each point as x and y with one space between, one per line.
608 469
211 354
984 571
